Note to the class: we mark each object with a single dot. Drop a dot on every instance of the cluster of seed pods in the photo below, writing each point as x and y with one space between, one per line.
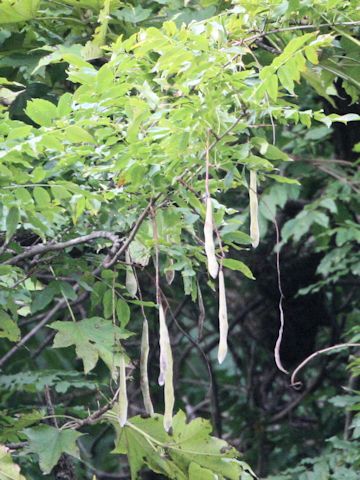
166 359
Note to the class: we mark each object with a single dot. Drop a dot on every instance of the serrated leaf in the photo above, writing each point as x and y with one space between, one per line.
13 11
144 440
93 338
49 443
12 432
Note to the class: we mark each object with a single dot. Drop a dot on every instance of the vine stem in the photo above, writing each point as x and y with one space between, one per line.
298 384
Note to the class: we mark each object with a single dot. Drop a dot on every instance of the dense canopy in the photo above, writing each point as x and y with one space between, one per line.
179 254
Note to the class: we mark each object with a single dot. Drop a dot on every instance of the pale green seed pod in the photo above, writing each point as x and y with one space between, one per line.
130 279
166 370
254 221
144 379
223 319
123 400
213 266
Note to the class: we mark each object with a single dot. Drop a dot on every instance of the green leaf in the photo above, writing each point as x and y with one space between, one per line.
272 87
8 328
76 134
238 266
12 432
196 472
41 196
13 11
190 448
133 14
8 469
41 112
311 54
49 443
280 179
122 312
12 220
108 303
42 299
93 338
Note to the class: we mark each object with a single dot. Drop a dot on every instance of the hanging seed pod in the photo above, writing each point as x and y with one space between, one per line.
254 221
162 341
170 274
213 266
223 320
123 400
201 317
144 379
130 280
166 370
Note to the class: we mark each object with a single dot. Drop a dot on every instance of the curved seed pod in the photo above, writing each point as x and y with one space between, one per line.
130 280
123 400
144 379
254 222
213 266
223 320
166 370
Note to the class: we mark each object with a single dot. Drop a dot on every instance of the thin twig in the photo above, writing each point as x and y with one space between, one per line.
130 238
298 384
295 27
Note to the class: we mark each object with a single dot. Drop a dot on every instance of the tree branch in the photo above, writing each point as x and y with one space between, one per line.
261 35
110 261
51 247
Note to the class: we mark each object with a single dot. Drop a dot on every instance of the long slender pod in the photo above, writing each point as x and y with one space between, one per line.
254 220
144 378
213 266
130 280
223 319
123 400
166 370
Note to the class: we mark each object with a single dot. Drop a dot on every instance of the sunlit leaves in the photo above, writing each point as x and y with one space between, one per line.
8 469
13 11
189 449
41 112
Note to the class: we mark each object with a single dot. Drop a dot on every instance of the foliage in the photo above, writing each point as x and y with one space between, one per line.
7 468
188 453
124 128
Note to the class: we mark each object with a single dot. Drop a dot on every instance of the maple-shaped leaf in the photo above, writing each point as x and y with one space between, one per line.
190 452
8 469
93 338
13 11
49 443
